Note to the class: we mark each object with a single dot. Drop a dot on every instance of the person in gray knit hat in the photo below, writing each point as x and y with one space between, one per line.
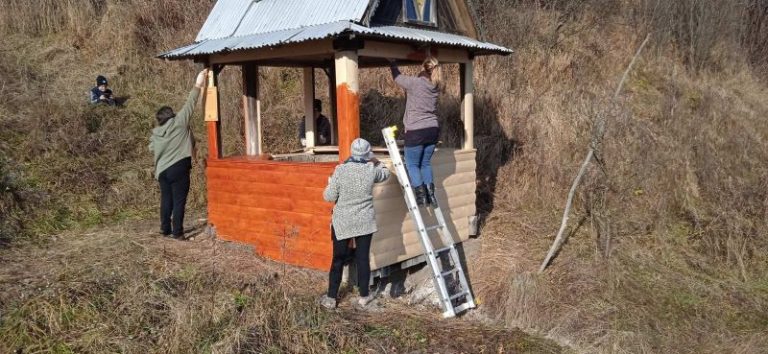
354 220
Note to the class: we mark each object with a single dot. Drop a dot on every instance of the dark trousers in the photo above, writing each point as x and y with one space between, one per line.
341 253
174 188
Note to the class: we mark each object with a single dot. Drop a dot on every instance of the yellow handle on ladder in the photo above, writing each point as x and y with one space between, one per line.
391 131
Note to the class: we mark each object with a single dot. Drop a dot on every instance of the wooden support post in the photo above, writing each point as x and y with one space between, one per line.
212 109
309 116
467 105
332 105
347 100
252 109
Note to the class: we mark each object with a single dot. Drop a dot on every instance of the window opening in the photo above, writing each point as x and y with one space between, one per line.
423 12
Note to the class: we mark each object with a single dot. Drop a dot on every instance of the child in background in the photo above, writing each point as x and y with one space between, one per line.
101 93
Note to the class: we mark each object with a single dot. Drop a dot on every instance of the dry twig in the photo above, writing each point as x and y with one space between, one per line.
599 130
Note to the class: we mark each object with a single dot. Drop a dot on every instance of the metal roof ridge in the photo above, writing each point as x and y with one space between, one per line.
276 31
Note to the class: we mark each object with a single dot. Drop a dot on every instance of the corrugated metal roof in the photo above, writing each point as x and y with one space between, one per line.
328 30
433 37
235 18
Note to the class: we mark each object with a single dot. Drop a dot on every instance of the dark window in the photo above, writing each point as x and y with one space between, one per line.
420 11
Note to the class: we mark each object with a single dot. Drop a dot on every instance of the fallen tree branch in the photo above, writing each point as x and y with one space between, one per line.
600 129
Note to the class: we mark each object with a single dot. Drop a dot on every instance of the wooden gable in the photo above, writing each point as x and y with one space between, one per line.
453 16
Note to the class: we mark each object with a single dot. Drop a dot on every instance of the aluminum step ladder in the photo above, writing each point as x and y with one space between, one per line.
447 272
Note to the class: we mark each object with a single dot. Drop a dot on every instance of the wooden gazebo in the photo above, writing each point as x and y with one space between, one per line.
276 204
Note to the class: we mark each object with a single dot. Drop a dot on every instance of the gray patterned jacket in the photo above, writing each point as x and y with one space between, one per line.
351 188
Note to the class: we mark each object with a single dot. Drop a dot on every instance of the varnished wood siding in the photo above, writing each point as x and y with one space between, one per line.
277 207
455 182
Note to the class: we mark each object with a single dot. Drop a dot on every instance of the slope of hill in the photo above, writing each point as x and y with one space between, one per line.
667 250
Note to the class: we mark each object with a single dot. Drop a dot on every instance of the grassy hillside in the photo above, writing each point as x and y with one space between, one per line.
667 250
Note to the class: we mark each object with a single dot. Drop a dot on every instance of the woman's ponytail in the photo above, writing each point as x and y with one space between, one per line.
432 67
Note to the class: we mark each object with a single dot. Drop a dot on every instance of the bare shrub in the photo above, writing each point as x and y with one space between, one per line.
755 37
703 31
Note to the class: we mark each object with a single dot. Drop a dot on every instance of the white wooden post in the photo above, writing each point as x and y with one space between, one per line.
467 105
309 116
332 104
252 109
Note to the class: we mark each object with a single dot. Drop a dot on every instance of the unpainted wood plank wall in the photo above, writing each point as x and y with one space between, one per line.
455 182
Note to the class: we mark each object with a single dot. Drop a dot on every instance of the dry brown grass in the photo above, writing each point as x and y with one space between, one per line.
125 289
681 195
670 252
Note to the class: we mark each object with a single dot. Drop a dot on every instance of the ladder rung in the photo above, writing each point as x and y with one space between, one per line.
449 272
464 306
434 227
441 250
460 294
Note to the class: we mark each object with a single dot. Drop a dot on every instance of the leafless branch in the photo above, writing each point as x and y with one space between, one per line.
600 129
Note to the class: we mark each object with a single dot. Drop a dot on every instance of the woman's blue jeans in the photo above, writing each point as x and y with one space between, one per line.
418 162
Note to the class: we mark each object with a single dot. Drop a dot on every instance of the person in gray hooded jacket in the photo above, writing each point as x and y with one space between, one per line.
354 220
172 145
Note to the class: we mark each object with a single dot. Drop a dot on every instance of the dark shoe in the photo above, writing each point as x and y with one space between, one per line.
425 198
431 195
421 195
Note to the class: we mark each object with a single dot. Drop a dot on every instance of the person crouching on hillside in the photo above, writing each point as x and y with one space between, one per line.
101 93
422 129
354 220
172 144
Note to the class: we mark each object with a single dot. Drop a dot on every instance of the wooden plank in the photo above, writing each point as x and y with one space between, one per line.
396 205
378 49
386 244
402 251
442 181
310 206
462 184
256 162
259 166
277 178
253 190
310 48
245 215
411 243
399 224
245 231
281 217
